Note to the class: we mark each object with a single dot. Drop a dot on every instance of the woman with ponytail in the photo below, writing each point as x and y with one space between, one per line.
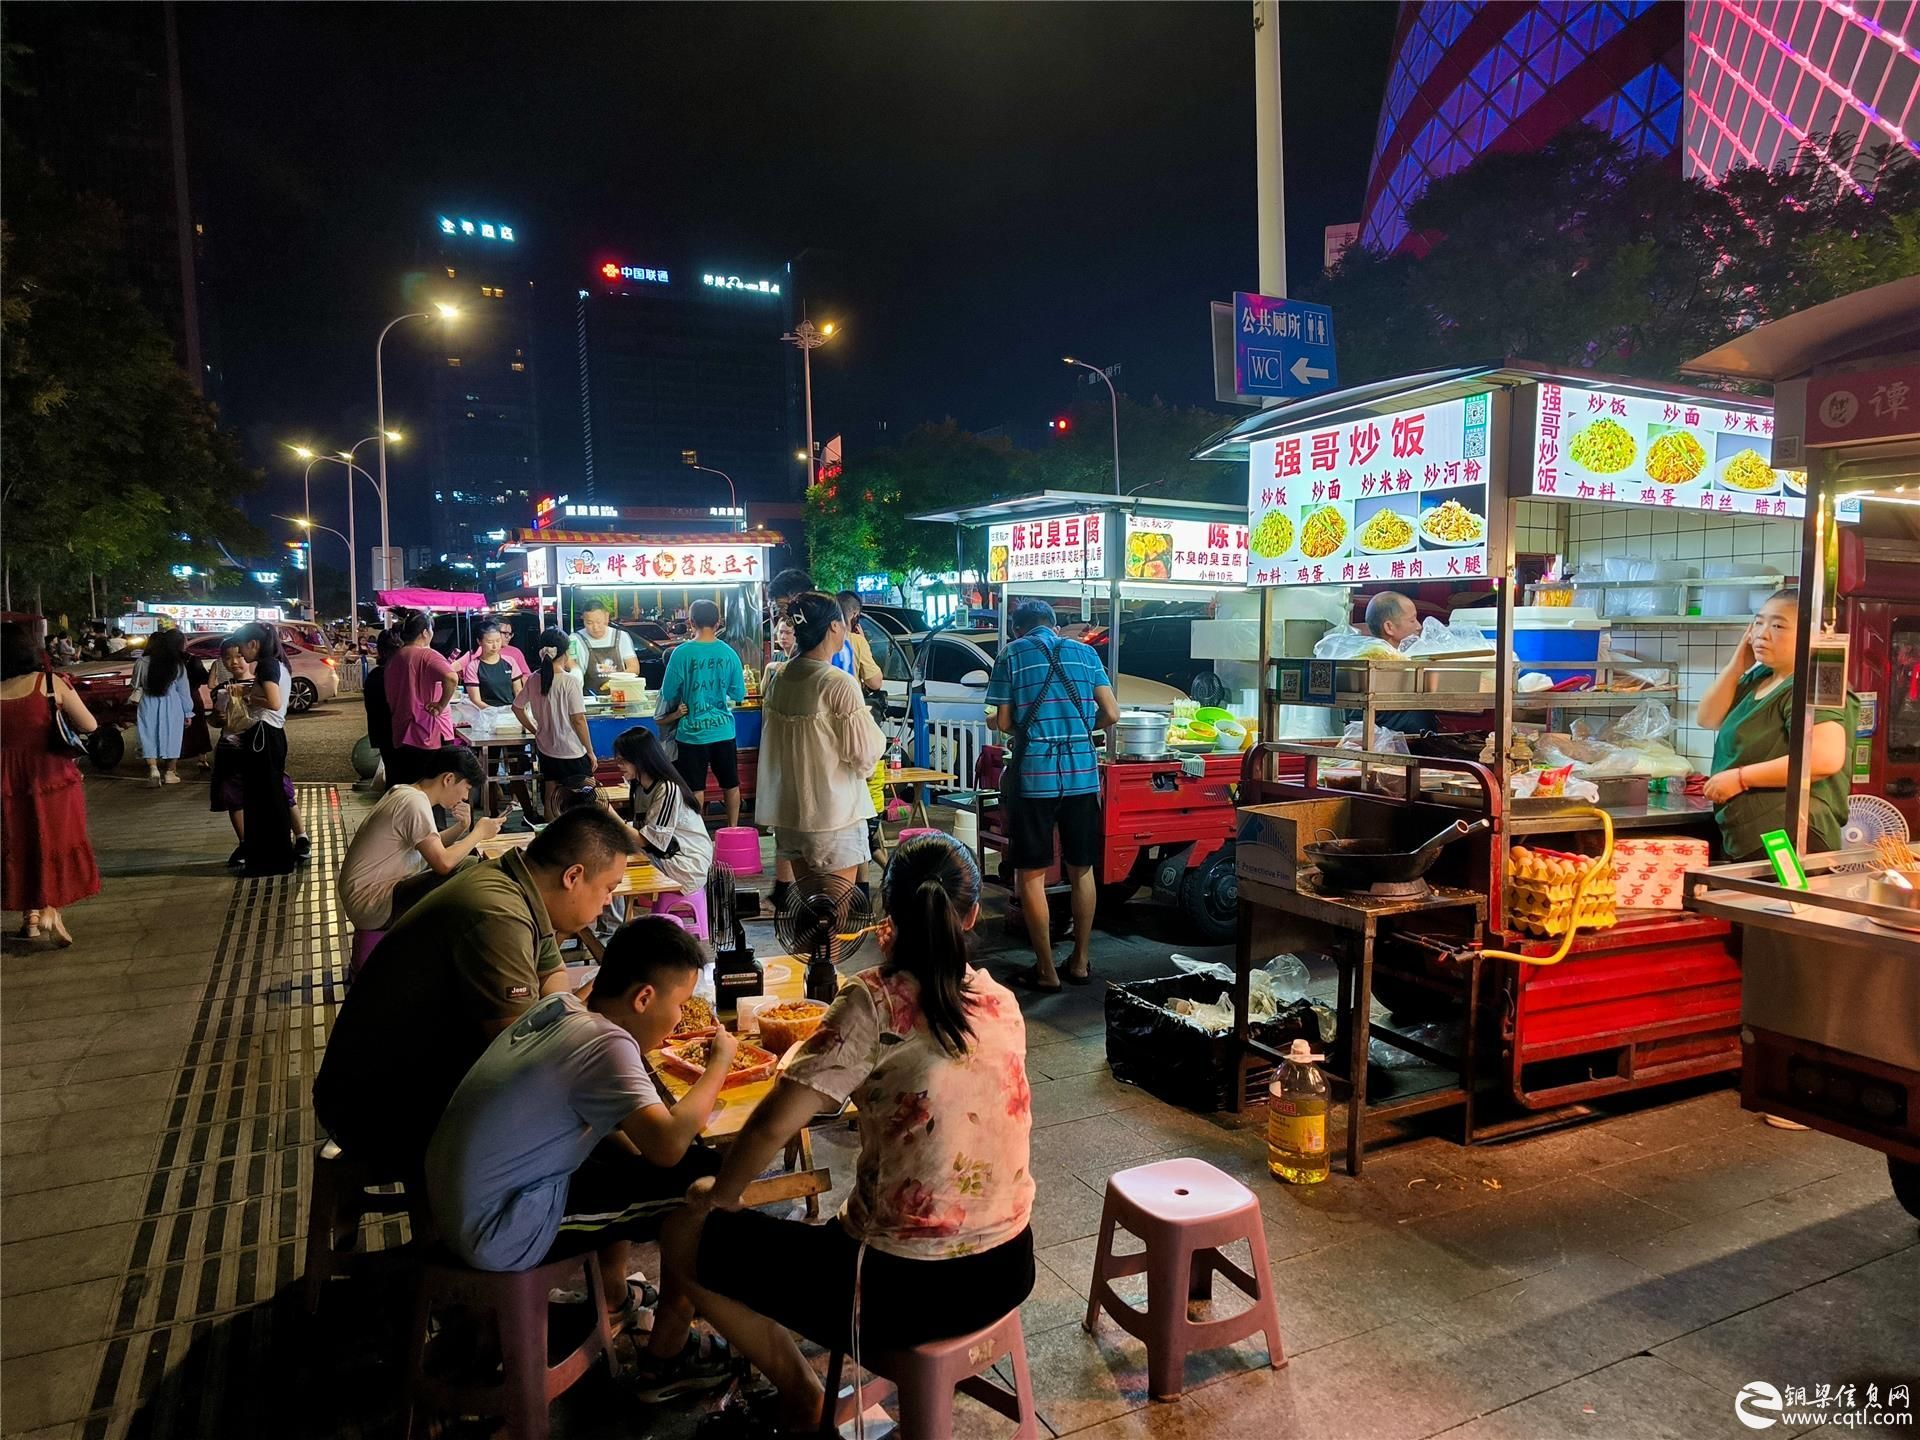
553 709
935 1050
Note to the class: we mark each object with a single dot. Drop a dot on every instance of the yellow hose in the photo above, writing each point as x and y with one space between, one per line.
1579 894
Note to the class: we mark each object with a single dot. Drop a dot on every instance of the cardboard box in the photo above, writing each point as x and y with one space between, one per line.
1272 838
1648 873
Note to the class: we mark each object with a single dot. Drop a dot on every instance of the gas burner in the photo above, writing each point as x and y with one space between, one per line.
1398 889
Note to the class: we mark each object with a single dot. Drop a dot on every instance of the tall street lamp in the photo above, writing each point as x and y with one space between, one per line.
1068 359
439 311
691 459
306 504
808 337
308 527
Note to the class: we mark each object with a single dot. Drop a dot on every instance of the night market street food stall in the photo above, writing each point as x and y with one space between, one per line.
1167 777
642 574
1830 1002
1538 950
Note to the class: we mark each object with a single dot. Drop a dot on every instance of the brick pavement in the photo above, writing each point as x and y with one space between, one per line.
1623 1278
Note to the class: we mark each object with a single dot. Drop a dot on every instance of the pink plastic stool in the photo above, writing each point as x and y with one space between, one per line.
906 835
1185 1211
363 943
738 848
928 1375
689 909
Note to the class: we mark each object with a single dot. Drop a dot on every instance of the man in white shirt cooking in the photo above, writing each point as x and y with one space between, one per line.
600 650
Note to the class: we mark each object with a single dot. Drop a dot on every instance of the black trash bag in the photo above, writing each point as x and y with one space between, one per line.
1169 1056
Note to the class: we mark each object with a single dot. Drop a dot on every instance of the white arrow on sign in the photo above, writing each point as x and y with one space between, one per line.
1303 372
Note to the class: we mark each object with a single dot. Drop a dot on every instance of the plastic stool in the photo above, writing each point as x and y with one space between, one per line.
363 943
689 909
928 1375
341 1192
738 848
1185 1211
903 836
518 1301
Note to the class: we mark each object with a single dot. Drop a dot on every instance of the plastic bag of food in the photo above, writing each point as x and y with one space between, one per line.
1281 981
1352 645
1437 639
1647 721
1385 741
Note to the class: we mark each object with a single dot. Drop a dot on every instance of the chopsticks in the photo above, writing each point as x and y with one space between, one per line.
1895 856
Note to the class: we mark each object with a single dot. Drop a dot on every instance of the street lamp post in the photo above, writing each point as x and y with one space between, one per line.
1116 413
808 337
691 459
444 312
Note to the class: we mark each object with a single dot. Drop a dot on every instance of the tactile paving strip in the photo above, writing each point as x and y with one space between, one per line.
191 1348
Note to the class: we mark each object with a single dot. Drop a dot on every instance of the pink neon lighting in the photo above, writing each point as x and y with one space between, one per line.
1830 83
1786 121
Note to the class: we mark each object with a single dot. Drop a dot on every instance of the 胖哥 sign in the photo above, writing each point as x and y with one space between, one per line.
1607 447
1384 497
1067 547
1202 552
659 564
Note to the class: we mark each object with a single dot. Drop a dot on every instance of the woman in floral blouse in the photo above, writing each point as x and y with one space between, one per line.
933 1053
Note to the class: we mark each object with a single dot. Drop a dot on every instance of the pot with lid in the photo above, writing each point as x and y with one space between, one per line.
1140 735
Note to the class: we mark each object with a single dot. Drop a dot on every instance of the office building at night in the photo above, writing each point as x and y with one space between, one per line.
678 358
482 431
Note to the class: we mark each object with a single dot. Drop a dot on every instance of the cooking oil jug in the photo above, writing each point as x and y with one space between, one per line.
1297 1118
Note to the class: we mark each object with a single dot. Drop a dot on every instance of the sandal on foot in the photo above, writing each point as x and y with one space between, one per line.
1029 979
1085 977
704 1364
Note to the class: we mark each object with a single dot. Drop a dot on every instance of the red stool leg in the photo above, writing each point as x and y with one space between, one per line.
1169 1277
1022 1382
1101 1253
522 1318
1266 1300
417 1354
926 1402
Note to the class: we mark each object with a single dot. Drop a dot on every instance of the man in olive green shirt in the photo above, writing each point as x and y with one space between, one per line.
453 972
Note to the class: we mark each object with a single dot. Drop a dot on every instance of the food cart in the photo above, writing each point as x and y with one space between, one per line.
1400 484
1167 809
1830 1000
666 572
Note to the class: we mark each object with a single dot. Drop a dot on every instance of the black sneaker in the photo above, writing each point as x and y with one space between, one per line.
302 847
238 858
705 1364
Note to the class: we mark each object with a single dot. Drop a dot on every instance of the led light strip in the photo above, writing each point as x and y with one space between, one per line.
1785 120
1832 86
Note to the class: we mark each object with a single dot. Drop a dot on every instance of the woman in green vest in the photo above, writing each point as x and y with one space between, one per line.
1750 706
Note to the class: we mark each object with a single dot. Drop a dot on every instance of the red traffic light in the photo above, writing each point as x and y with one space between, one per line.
1060 423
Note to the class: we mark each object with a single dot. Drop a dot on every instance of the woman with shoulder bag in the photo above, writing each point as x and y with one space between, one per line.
48 861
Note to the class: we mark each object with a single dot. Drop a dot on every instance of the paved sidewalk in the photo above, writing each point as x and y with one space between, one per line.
1622 1278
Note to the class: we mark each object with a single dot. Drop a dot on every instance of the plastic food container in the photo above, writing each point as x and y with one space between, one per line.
785 1025
688 1058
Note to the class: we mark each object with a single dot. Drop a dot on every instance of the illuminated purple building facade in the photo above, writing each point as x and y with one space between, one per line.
1468 77
1765 75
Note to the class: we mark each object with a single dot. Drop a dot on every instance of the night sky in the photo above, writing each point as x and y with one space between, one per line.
1002 183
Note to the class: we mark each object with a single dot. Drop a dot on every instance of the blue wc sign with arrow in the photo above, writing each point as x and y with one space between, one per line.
1282 347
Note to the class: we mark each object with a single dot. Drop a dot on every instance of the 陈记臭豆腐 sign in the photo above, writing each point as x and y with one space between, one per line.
1200 552
660 564
1397 497
1612 447
1066 547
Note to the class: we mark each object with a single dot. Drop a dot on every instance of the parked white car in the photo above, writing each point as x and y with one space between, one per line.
316 669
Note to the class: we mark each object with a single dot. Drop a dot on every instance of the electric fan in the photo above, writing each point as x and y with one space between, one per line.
825 919
1869 820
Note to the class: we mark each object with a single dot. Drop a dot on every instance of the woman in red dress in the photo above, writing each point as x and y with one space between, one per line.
43 807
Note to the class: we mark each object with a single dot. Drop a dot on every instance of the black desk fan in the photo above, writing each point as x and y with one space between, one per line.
825 919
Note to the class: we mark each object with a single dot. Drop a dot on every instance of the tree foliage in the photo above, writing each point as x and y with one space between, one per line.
113 466
1579 255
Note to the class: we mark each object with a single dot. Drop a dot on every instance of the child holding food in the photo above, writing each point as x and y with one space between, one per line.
943 1190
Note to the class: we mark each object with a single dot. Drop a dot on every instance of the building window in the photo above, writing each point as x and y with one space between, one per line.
454 361
519 366
452 273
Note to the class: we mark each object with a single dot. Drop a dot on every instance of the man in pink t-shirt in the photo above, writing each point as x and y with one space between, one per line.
421 685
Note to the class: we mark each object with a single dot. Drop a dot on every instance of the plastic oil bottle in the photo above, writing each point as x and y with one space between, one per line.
1297 1118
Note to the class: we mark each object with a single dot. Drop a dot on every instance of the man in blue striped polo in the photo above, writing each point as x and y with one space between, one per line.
1051 693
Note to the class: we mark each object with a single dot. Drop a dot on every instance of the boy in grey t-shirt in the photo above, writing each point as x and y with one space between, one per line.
558 1141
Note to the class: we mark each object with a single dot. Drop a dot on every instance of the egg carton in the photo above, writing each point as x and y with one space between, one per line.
1542 886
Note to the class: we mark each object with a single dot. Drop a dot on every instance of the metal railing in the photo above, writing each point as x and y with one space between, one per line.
954 746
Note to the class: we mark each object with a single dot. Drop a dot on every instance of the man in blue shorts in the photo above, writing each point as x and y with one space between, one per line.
1051 692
